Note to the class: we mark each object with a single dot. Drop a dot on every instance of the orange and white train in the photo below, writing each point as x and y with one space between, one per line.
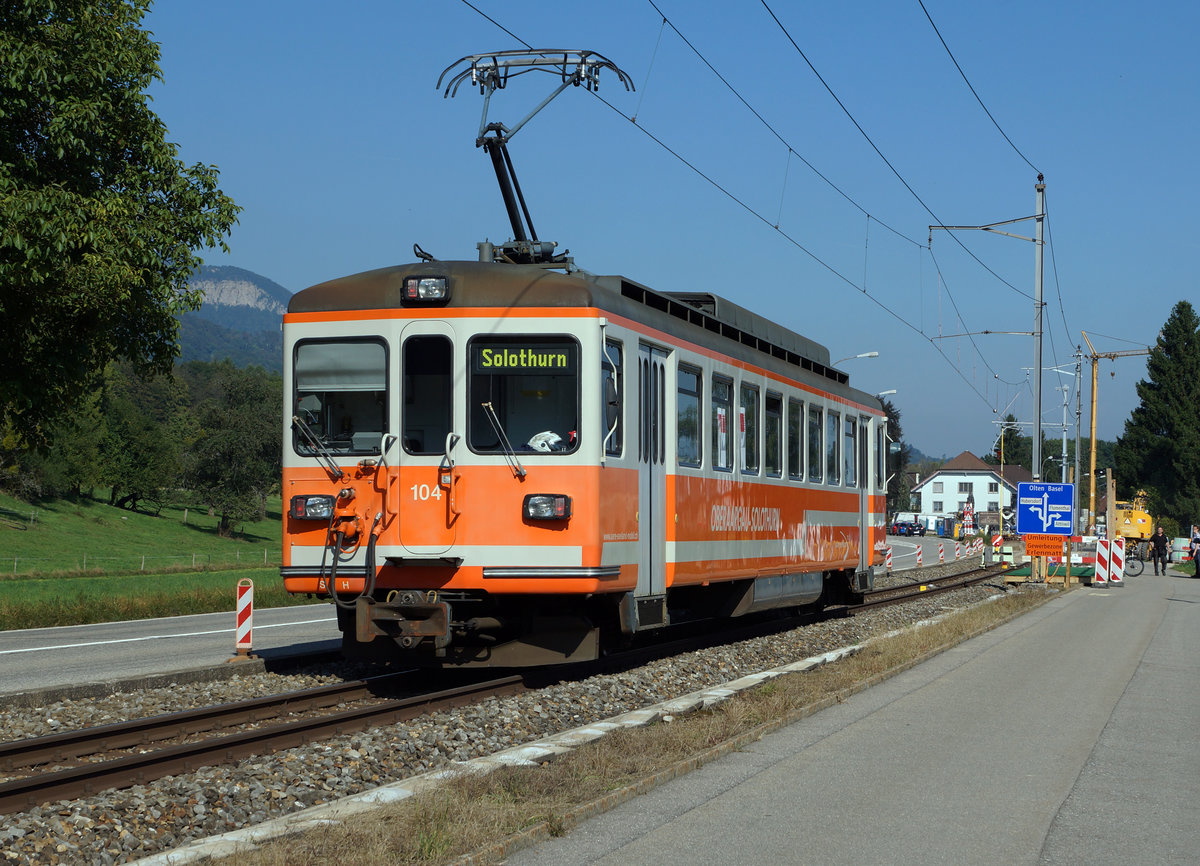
501 464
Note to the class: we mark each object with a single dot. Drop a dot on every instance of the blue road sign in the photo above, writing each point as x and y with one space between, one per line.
1044 508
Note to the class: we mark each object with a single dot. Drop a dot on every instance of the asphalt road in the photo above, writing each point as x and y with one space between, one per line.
112 651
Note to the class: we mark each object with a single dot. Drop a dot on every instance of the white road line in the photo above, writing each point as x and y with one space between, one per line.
154 637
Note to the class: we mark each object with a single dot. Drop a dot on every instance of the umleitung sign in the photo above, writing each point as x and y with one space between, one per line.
1043 545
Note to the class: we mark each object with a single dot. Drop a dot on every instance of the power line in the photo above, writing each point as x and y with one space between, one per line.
971 88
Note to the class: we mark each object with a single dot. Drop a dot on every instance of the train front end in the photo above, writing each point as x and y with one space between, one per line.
442 448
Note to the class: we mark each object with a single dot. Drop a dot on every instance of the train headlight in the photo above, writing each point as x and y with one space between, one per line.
426 290
547 506
312 507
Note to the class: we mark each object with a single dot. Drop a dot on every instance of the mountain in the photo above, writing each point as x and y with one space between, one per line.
240 319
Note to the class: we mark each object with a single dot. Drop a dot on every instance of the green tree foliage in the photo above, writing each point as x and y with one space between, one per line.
1159 452
98 217
234 461
898 488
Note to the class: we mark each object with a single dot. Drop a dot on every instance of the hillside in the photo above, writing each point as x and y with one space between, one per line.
240 319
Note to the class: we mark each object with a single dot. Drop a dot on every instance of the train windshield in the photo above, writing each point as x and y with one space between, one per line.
341 394
531 384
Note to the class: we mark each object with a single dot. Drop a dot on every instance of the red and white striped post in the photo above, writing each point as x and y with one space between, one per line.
1116 571
887 558
1102 554
941 552
245 614
957 551
919 549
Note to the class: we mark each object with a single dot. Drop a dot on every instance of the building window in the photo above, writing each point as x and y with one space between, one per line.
993 505
937 506
915 499
964 487
993 487
962 505
937 487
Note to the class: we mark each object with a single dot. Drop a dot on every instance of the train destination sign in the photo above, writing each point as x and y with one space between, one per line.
1045 508
524 359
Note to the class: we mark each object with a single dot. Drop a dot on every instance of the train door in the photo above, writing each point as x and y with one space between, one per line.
864 497
424 497
652 480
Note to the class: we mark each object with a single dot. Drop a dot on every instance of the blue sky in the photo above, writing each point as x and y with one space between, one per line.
329 131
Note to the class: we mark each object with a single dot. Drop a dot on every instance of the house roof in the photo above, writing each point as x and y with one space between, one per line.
967 463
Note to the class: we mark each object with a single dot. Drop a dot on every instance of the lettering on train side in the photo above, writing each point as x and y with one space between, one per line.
740 518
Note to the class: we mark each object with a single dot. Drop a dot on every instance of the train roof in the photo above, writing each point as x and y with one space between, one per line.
487 284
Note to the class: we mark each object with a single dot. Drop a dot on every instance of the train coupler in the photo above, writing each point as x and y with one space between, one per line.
408 618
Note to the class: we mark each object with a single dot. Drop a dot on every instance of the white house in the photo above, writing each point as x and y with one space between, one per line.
990 489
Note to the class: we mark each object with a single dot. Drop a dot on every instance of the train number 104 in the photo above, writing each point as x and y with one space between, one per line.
425 492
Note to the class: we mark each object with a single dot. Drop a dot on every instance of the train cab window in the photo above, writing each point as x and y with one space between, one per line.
850 452
426 412
612 391
773 435
795 443
832 441
748 429
340 389
816 453
523 394
687 408
722 405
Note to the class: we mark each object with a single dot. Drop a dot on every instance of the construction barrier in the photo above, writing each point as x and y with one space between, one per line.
941 552
1116 569
957 551
887 557
245 614
919 550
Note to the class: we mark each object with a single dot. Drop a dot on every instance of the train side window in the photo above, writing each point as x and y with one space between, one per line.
832 440
687 407
850 452
795 442
748 429
722 404
428 394
612 390
772 435
524 390
340 389
815 452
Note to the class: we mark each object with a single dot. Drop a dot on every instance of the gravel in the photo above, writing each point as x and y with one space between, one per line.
122 826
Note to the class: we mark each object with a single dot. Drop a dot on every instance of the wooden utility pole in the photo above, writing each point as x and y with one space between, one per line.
1096 356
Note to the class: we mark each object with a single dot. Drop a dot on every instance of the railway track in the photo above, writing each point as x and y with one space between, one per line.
151 762
90 778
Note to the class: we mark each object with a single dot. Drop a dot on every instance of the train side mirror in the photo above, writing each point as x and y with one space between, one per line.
612 404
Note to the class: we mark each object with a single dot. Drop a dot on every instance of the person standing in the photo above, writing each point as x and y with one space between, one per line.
1196 549
1158 549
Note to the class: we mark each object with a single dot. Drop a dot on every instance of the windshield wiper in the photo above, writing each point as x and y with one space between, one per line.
324 455
509 453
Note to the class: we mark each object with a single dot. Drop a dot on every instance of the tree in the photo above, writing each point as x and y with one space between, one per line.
898 488
1159 452
98 218
234 462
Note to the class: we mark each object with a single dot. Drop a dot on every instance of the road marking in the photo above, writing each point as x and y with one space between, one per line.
155 637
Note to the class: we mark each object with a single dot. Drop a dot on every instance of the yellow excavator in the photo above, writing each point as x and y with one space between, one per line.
1132 522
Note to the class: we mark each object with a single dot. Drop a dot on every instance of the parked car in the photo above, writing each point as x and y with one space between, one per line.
907 527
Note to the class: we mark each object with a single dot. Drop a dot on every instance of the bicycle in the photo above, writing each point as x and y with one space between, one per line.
1135 559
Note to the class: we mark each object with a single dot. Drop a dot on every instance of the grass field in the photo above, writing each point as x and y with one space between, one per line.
65 563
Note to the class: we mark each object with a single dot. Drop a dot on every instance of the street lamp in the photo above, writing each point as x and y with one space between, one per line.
861 355
882 394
